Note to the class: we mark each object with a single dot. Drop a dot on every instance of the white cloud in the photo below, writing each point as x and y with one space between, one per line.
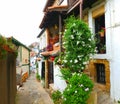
21 19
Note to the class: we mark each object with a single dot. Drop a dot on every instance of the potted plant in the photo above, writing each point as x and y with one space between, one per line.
102 49
6 45
102 32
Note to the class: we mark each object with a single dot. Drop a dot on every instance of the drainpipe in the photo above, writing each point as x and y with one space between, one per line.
81 2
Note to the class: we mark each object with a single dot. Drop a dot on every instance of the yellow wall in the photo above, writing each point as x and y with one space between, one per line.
25 56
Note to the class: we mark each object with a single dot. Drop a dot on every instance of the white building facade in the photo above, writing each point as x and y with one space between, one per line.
112 26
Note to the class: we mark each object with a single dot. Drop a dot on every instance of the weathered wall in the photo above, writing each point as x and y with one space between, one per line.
8 80
115 35
43 40
112 24
25 56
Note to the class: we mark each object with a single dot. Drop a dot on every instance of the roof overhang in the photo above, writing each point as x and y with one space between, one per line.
48 3
52 12
42 31
18 43
51 16
60 8
49 19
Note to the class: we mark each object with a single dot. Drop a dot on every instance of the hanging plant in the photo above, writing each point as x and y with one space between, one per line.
102 32
6 46
3 42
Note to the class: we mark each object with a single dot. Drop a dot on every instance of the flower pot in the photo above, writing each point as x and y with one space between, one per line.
102 51
101 34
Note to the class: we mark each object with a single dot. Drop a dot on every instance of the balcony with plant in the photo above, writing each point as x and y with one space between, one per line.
6 46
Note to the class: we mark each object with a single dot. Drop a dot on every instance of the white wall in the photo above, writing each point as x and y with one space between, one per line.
39 67
43 40
115 62
112 24
59 83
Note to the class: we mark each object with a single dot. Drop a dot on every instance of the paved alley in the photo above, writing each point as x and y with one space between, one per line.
32 92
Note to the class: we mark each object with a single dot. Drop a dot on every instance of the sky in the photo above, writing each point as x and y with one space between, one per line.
21 19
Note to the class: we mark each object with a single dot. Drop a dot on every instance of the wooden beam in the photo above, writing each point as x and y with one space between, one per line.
47 36
60 32
73 7
81 2
46 74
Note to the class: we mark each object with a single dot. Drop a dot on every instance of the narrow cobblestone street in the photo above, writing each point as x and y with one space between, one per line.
32 92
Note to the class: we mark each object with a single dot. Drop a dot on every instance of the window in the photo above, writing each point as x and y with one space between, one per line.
100 73
100 34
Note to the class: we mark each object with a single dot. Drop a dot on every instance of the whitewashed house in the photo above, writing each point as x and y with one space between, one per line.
42 45
107 14
98 14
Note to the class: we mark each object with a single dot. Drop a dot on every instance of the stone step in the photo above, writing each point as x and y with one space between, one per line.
104 98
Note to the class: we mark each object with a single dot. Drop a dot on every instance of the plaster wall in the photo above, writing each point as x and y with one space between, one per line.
25 56
39 67
43 41
25 60
59 83
112 24
115 62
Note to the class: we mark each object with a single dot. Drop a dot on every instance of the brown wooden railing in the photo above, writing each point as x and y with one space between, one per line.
72 2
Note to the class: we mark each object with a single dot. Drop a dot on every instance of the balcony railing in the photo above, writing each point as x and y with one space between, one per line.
72 2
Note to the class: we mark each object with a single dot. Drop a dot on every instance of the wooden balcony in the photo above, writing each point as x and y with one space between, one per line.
72 2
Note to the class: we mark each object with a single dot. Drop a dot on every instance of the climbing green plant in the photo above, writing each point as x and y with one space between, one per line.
78 43
79 46
57 97
78 89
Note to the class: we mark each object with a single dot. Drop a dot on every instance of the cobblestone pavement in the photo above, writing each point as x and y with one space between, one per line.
32 92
